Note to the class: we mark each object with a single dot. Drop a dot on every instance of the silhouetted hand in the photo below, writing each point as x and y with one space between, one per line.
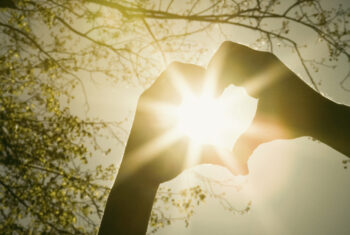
154 146
287 106
155 152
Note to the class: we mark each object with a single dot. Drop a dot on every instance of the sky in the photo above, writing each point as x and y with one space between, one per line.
296 186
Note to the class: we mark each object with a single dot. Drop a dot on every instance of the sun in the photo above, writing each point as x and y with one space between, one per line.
207 121
201 119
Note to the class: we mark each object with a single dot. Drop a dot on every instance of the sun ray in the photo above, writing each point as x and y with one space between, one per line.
180 84
159 107
145 153
200 116
192 155
210 84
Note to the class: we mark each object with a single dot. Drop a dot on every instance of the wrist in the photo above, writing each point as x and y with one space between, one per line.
129 205
333 127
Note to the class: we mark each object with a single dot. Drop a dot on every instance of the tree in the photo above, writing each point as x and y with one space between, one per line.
50 47
43 146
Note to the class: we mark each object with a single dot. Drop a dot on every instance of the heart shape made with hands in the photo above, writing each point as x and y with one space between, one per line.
217 121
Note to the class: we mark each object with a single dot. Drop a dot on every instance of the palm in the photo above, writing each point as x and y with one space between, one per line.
154 149
287 107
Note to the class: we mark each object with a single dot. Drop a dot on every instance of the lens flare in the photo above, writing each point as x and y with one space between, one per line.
202 119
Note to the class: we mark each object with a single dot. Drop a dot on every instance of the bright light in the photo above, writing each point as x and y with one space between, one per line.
202 119
205 120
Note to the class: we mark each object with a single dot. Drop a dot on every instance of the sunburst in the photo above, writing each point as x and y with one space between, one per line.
200 117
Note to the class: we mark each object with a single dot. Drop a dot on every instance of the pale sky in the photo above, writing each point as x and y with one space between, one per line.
296 186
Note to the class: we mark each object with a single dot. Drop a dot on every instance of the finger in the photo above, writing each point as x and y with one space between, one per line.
262 130
256 134
220 157
242 150
177 81
240 65
226 63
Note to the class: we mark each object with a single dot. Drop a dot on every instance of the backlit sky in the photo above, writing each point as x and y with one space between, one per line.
296 186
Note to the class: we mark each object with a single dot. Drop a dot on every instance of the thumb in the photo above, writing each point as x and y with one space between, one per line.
242 150
245 145
220 157
260 131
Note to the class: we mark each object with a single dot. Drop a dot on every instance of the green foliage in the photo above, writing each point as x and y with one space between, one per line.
44 186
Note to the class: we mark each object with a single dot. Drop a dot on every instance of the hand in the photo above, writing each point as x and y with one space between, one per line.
154 152
287 106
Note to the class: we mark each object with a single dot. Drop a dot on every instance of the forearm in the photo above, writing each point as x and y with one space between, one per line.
128 207
335 131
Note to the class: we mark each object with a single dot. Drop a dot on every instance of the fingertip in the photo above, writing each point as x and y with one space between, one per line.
218 93
240 169
244 169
